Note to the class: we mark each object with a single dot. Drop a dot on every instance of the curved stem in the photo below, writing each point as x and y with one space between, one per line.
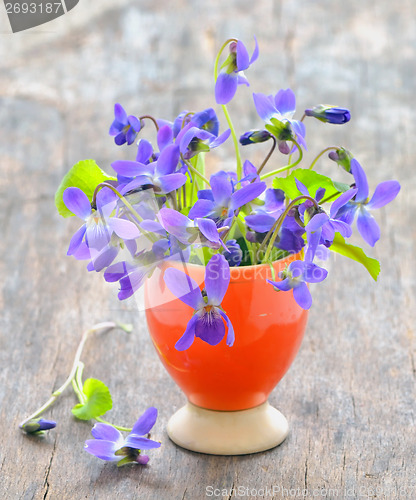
268 155
272 234
287 167
320 154
100 326
152 119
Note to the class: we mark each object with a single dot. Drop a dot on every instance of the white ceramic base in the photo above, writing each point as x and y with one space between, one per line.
228 432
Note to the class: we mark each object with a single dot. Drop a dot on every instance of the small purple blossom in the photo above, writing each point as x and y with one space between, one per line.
234 254
281 108
295 277
207 322
124 128
384 193
110 446
231 74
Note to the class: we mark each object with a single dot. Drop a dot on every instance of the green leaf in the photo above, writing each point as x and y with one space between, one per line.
357 254
86 175
312 180
98 400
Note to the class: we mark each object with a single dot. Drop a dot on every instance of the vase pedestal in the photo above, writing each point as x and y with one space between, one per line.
228 432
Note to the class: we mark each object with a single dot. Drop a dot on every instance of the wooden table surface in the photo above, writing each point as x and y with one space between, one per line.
350 394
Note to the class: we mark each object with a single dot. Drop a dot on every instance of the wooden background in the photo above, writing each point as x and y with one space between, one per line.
350 394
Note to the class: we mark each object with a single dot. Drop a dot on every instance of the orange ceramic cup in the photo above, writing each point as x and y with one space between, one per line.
268 327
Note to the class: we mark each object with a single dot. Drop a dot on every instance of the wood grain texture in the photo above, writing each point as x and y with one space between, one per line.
350 394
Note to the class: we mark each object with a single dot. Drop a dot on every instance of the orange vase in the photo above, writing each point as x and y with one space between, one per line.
268 326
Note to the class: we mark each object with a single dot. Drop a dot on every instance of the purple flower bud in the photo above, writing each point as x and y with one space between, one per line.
329 114
254 136
36 425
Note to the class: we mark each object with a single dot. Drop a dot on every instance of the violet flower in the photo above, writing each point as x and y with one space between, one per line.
295 277
160 174
193 140
38 426
384 193
109 444
231 75
98 226
281 107
124 128
207 322
220 202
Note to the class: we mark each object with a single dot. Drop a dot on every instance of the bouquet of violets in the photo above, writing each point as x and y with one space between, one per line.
162 206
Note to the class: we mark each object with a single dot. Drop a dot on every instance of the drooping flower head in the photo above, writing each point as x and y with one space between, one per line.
231 74
207 321
124 128
109 444
38 426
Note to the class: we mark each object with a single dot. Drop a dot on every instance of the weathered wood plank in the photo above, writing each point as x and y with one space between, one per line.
350 394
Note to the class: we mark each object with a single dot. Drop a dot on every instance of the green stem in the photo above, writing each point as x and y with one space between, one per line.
287 167
196 172
226 113
55 395
320 154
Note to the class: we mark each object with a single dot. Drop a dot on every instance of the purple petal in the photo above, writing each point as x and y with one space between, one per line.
201 208
217 279
300 130
313 242
168 160
255 54
360 181
119 113
120 139
316 222
130 135
151 226
115 128
188 337
225 87
124 228
142 459
183 287
301 187
170 182
205 194
76 240
134 123
100 448
115 272
368 227
260 223
243 59
264 106
144 151
145 422
164 137
97 235
385 193
77 202
303 296
284 285
210 330
242 80
246 194
106 432
220 139
341 201
221 189
132 282
285 102
175 223
313 273
106 201
105 257
230 334
140 443
128 168
341 227
208 229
